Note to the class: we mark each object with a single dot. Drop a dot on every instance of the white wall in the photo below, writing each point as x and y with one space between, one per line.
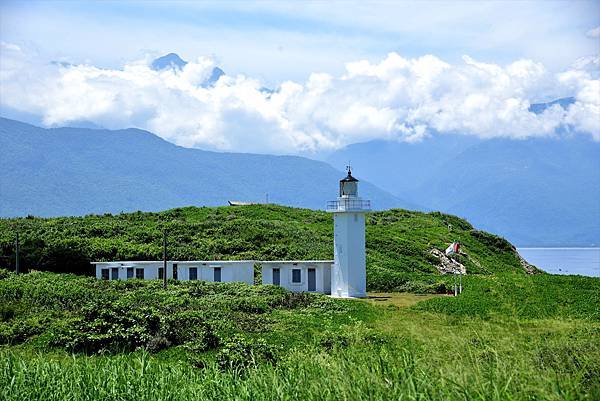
150 269
349 274
322 273
231 271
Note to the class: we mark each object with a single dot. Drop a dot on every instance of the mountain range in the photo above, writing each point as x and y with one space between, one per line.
535 192
173 61
77 171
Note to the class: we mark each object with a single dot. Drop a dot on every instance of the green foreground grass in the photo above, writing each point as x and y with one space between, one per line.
507 337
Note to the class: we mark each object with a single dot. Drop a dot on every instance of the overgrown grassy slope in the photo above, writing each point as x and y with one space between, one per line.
507 337
398 241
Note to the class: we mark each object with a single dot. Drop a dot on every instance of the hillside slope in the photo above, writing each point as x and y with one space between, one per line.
399 242
75 171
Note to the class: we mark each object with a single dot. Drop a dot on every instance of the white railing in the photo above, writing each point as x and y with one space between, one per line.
348 205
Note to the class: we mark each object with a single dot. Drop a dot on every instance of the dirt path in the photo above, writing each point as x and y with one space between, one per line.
400 299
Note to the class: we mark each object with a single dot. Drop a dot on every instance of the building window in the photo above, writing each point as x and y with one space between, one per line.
105 274
217 274
114 274
296 276
129 273
161 272
174 271
193 273
139 273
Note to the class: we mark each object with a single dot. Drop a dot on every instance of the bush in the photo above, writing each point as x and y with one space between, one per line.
240 353
189 326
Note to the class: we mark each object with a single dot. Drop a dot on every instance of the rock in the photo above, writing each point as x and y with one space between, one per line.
528 267
448 265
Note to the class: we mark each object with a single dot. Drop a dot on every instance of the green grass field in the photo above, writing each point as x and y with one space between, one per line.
507 337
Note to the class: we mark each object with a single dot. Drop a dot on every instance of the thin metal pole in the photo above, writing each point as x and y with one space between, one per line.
17 270
460 285
165 259
455 283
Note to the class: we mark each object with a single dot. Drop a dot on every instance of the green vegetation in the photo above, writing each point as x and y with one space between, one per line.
398 241
507 337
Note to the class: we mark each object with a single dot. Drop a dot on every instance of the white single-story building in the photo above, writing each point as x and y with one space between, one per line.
298 275
294 275
215 271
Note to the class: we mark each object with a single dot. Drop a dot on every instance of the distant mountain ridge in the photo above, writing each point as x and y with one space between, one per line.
77 171
173 61
535 192
539 108
170 60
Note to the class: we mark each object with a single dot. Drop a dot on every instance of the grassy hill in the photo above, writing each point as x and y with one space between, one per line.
399 242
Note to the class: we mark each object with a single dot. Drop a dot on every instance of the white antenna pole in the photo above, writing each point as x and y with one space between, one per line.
455 289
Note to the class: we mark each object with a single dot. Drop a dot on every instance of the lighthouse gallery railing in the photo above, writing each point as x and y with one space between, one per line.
348 204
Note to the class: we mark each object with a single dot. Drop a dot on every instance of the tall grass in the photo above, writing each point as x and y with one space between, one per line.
356 373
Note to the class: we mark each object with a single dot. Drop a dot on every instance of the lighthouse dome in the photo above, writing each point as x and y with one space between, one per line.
349 185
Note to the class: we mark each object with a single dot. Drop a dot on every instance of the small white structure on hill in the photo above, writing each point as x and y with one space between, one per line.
349 276
345 276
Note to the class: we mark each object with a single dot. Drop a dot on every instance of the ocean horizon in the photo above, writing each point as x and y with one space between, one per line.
584 261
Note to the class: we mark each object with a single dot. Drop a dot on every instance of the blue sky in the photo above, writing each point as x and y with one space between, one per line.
290 40
342 72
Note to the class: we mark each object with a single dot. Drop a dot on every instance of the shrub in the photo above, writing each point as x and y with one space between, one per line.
240 353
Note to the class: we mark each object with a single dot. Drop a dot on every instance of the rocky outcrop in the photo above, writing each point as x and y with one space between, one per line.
528 267
447 265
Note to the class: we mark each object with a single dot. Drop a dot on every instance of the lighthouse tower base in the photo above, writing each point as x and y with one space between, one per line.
349 274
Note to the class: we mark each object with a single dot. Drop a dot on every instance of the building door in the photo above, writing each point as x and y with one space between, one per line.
312 280
217 274
114 273
276 277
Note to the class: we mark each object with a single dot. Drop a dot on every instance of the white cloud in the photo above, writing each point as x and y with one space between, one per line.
396 98
594 33
9 46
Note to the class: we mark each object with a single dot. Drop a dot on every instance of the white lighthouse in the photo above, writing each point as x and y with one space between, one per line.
349 274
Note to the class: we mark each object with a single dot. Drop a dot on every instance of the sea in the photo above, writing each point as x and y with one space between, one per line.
582 261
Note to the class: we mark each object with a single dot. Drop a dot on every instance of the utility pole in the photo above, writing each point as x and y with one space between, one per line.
17 254
165 259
